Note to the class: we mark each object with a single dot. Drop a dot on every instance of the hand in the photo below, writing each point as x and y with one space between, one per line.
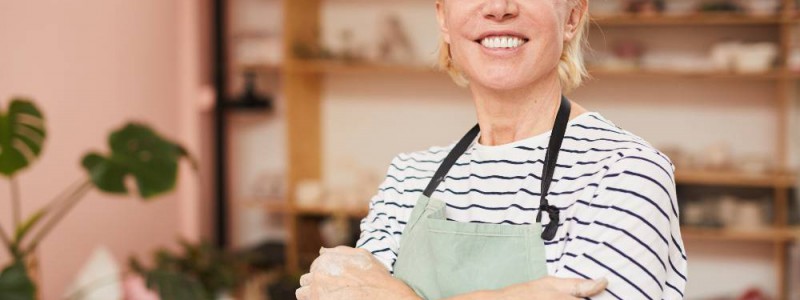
352 274
554 288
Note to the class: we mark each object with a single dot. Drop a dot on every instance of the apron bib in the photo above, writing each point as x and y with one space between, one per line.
440 258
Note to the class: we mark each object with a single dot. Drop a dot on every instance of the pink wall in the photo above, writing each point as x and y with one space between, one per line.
91 65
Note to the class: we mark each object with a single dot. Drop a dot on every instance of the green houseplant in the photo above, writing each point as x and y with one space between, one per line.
200 271
137 154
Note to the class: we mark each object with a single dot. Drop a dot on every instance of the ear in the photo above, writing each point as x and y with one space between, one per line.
442 24
576 13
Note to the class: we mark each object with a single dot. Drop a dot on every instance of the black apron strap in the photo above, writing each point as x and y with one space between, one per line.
451 159
551 157
550 162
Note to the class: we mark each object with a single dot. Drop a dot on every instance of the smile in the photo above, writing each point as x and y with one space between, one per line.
502 42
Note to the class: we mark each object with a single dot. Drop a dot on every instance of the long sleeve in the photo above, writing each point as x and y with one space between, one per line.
629 231
380 229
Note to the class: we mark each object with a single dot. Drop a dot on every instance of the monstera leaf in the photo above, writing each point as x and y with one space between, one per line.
138 152
15 283
22 134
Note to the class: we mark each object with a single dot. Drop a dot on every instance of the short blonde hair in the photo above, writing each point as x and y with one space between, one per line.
571 68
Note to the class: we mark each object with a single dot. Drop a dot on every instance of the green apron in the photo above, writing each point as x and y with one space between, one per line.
440 258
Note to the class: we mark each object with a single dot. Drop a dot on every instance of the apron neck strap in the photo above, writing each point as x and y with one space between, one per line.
551 157
451 159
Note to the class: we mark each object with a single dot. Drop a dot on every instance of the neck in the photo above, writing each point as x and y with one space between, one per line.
507 116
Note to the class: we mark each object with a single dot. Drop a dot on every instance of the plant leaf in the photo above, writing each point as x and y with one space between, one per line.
22 135
15 283
139 152
175 286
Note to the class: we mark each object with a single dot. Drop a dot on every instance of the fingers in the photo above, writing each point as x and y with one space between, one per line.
305 280
579 287
303 293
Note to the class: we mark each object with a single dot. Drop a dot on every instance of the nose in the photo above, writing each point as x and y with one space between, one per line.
500 10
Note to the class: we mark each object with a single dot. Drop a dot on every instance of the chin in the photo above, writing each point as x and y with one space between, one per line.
502 80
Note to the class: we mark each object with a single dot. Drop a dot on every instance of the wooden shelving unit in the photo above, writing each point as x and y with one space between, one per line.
302 88
766 235
727 19
770 75
735 179
337 67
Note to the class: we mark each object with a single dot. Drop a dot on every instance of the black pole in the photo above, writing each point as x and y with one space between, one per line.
219 71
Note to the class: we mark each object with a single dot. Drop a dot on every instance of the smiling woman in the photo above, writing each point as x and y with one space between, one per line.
571 69
541 200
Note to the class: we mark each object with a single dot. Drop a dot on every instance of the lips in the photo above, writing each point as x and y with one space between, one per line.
501 40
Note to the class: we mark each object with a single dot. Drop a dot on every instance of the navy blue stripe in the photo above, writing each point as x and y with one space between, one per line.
562 239
668 173
384 202
591 204
454 192
410 167
370 239
605 122
572 150
675 269
408 178
454 178
680 250
512 205
613 189
383 250
383 230
509 222
483 162
606 140
598 128
380 214
578 221
593 162
618 275
675 289
517 206
637 240
669 196
643 220
636 263
411 158
587 239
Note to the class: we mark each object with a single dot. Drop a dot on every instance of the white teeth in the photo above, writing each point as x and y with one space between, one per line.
502 42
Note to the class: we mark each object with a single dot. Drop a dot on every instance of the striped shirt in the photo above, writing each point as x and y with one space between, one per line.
616 193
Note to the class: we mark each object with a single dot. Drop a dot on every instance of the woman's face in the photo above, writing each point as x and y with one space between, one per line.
507 44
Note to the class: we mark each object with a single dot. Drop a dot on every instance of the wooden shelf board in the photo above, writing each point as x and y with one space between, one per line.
756 235
340 67
738 179
771 75
336 67
692 19
261 68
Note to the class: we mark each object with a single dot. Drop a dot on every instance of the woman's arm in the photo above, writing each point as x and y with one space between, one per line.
380 229
544 288
629 231
355 274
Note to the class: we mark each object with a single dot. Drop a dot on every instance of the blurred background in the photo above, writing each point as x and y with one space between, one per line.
291 111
